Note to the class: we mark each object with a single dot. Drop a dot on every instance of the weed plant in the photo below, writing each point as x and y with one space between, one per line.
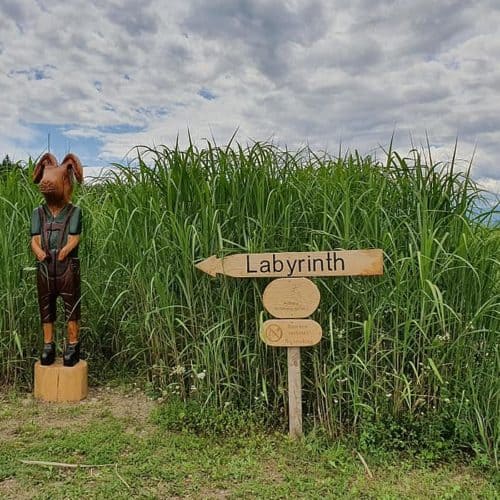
418 344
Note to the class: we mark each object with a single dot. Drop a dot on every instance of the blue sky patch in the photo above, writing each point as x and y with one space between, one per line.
207 94
31 73
121 129
51 138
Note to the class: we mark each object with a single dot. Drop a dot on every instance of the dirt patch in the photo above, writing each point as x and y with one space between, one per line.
129 405
215 494
271 471
11 488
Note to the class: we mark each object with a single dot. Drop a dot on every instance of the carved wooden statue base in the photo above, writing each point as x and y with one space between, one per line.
58 383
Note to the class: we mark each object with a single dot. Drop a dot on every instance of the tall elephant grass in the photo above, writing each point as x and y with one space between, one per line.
419 342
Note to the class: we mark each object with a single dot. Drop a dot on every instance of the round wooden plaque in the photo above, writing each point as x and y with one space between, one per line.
291 297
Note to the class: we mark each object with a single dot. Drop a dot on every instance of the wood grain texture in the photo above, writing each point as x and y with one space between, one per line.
290 332
294 392
58 383
291 297
297 264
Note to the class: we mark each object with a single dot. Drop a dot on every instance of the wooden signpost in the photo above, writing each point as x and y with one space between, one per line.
292 298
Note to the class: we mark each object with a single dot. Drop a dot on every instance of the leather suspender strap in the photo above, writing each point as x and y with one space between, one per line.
43 229
64 225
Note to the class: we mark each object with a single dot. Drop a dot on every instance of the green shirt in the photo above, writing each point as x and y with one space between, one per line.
74 225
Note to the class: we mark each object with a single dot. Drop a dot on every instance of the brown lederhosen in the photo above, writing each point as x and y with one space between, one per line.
55 278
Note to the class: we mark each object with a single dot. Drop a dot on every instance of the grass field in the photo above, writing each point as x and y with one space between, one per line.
145 459
409 360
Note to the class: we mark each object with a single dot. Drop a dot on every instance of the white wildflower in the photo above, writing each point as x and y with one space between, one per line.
178 370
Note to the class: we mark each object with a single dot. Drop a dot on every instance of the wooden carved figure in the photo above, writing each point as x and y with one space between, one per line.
55 234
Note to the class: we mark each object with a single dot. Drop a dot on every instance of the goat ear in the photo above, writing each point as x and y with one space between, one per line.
72 162
46 160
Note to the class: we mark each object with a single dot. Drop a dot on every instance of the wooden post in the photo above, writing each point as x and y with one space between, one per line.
294 392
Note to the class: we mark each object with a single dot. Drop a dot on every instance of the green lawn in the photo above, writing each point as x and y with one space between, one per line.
114 426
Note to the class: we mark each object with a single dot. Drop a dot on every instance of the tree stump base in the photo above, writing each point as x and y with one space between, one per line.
59 383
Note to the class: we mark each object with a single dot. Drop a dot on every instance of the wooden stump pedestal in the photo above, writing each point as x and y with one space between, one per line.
59 383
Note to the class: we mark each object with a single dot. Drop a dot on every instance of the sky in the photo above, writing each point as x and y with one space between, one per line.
104 76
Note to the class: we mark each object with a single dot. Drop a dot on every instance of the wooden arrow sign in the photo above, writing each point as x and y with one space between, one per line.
294 264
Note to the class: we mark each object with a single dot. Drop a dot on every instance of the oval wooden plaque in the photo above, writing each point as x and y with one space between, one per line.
291 297
290 332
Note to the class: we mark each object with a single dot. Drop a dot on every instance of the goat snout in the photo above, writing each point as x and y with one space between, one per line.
47 186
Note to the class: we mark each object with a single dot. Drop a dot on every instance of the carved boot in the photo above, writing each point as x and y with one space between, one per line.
48 353
71 354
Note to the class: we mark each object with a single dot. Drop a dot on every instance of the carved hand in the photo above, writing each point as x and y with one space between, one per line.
41 255
73 241
37 249
63 253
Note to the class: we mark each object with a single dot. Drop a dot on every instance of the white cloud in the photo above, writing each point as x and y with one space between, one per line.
490 185
97 174
310 71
